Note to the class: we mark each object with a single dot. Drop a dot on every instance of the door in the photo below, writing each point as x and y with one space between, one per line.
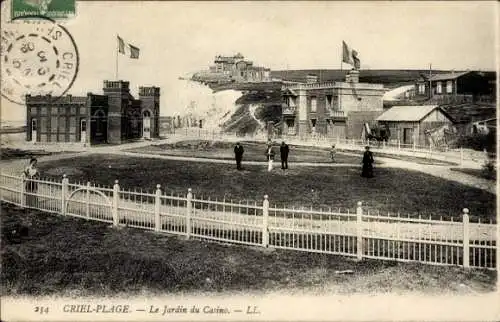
407 136
34 130
146 125
83 131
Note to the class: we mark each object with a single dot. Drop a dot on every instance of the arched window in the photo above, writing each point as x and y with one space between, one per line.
146 113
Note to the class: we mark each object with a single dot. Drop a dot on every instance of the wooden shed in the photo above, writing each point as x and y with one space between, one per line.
410 123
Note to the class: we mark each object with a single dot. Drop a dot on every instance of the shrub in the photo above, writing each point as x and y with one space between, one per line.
488 170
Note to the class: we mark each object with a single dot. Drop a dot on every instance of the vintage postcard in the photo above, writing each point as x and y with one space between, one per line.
249 161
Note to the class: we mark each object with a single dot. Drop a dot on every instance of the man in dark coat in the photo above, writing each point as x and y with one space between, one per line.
367 163
284 155
238 154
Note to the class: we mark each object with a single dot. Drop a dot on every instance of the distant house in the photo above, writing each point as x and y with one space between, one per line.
411 124
468 86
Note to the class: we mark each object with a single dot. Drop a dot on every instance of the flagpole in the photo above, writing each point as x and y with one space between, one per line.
116 66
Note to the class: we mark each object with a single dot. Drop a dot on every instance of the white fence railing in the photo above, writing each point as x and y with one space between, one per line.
395 147
359 234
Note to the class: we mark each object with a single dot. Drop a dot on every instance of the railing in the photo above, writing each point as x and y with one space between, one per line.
289 110
359 233
334 113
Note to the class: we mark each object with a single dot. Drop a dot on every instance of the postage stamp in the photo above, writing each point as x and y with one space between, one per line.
55 9
37 58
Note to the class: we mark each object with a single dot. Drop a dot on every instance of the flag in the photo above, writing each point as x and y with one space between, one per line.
134 52
350 56
121 45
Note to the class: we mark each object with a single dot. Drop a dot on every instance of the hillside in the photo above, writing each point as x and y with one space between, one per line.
389 77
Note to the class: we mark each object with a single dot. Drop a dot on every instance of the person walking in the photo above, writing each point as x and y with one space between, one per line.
284 155
367 171
31 186
238 154
333 153
270 157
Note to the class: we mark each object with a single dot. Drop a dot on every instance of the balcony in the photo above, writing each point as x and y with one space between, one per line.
288 110
337 114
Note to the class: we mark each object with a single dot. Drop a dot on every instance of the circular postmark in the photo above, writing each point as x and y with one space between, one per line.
37 58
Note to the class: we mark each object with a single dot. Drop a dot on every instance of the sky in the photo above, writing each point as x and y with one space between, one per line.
176 38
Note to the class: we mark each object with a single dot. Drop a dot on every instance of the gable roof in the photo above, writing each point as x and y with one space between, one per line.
409 113
448 76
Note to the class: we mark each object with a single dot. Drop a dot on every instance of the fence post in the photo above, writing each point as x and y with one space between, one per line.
157 208
189 210
461 157
359 231
430 150
399 145
116 197
265 222
414 145
87 203
64 193
23 191
465 221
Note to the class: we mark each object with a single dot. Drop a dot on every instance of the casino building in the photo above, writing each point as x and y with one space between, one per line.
114 117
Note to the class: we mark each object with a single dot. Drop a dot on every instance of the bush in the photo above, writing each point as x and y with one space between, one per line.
488 170
478 142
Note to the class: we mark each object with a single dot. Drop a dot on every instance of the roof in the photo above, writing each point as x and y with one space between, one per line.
448 76
408 113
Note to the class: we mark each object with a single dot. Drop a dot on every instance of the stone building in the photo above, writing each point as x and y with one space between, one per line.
113 117
332 109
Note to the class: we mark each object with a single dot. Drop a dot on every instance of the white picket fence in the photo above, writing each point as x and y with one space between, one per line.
358 234
395 147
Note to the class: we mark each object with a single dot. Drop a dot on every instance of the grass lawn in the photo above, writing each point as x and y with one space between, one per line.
254 151
73 257
392 190
10 153
480 173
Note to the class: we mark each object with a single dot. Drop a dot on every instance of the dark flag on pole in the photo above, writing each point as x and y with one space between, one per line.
121 45
134 52
350 56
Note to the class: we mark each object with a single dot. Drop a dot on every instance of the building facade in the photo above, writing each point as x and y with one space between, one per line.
238 69
468 86
333 109
114 117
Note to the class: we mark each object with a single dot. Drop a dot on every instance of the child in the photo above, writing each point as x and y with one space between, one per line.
333 152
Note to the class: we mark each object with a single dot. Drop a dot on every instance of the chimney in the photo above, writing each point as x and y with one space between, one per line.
311 79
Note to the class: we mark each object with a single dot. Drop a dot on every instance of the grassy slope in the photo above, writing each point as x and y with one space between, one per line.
73 257
393 190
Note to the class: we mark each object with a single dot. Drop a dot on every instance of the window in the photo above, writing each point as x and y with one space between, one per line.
44 111
449 87
53 125
329 101
54 111
33 110
72 124
290 124
439 88
421 89
313 125
313 104
62 124
291 101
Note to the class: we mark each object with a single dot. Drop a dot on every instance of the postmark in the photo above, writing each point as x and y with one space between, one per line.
55 9
37 58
